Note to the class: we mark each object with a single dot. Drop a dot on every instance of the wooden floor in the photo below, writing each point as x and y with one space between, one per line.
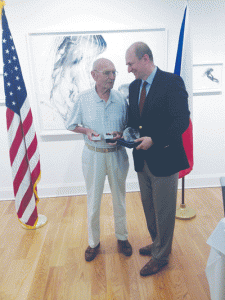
48 263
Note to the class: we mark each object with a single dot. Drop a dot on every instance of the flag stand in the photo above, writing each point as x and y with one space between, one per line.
42 220
184 212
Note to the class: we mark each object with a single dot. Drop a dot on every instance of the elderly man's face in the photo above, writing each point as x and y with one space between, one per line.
105 75
135 66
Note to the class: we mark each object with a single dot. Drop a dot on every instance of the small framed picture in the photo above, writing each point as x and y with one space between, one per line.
207 78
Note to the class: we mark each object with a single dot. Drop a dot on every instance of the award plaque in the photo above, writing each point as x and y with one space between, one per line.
129 136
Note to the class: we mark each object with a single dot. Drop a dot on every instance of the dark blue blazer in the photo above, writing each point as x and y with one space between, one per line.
164 118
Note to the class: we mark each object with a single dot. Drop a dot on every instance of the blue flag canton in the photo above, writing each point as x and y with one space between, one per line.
15 90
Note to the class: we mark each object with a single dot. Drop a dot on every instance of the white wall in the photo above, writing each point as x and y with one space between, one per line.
61 157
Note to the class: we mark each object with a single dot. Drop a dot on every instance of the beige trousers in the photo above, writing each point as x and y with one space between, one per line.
96 166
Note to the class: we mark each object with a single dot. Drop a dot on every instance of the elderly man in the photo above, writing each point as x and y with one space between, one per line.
96 113
158 107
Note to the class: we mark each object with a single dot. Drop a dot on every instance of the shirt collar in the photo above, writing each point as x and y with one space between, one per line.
98 99
150 77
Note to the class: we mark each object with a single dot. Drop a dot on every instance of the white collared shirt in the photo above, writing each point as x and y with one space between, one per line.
92 112
149 80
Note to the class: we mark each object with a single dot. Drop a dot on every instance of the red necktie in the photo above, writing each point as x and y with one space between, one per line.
143 96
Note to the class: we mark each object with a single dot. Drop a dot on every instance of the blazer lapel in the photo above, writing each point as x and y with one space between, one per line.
135 98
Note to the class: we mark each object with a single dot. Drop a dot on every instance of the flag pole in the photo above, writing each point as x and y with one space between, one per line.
184 212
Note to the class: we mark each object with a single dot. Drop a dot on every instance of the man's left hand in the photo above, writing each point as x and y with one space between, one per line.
116 136
146 143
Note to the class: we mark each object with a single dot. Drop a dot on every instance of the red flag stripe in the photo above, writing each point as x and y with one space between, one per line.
25 201
12 130
34 161
35 173
32 148
9 117
16 144
19 156
33 217
23 189
20 174
27 122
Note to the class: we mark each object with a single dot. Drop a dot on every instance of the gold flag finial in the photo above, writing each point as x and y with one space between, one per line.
2 4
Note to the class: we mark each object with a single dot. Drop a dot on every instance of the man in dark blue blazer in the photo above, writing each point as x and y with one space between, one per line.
158 107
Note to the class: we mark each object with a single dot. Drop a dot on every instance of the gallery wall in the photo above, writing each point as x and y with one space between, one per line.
61 154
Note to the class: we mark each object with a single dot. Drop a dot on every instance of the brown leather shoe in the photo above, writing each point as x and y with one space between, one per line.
124 247
147 250
91 253
153 266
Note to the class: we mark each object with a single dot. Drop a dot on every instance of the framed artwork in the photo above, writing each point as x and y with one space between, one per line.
61 65
207 78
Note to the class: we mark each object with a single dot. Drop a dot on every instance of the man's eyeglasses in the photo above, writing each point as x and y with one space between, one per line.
107 73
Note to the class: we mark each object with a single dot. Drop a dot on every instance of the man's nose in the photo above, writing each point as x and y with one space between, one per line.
129 69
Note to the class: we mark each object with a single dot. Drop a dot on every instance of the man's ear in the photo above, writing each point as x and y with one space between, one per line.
146 58
94 75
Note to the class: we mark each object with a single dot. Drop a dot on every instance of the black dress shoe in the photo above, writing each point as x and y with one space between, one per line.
153 266
147 250
125 247
91 253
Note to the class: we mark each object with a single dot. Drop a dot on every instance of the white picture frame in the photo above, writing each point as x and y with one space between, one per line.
207 78
47 51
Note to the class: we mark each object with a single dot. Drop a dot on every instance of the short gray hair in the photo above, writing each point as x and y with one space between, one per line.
99 62
141 49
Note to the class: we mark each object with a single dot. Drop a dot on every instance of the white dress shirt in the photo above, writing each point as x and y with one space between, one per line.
149 81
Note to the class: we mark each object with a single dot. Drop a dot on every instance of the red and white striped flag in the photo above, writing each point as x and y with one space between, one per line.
183 67
23 146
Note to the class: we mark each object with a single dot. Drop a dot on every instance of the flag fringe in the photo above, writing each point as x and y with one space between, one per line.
2 4
28 226
34 188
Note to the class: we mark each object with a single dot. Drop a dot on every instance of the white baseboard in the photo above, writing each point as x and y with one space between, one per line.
6 194
71 189
201 181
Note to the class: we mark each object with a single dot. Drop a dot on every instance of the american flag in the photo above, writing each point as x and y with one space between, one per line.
23 147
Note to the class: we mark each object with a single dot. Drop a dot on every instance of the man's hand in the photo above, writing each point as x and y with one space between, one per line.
90 133
146 143
116 136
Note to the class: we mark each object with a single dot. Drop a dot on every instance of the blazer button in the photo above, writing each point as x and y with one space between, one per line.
140 127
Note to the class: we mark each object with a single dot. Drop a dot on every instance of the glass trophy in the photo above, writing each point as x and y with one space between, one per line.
129 137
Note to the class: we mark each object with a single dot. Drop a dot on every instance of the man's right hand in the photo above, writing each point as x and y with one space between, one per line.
90 133
146 143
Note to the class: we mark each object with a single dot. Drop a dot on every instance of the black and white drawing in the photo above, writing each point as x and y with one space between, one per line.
207 77
61 64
